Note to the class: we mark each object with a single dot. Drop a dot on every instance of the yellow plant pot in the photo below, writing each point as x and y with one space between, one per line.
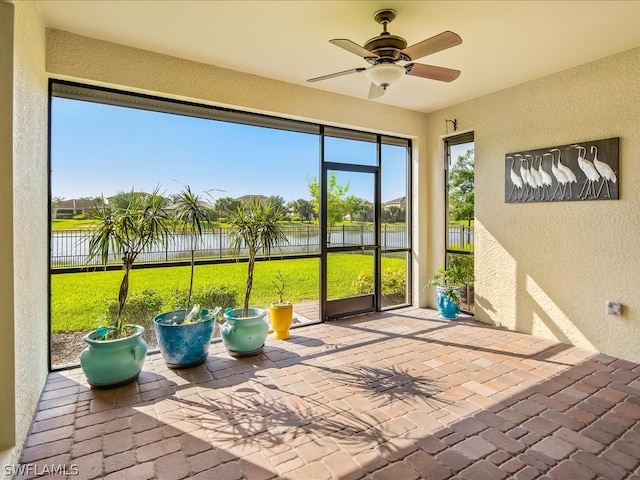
281 316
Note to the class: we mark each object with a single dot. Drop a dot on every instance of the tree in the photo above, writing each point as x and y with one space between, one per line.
226 205
393 214
461 189
337 202
359 209
277 201
303 208
122 199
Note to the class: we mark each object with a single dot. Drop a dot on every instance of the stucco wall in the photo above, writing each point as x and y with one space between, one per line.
548 268
7 359
79 58
30 200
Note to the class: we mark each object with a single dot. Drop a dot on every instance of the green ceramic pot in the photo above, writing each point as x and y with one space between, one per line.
244 337
111 363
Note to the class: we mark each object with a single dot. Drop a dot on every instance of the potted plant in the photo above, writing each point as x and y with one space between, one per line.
254 226
115 354
280 312
184 335
448 283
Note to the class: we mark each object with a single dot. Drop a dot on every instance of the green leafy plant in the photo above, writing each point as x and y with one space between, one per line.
279 285
394 282
126 231
139 310
218 295
190 215
449 281
255 226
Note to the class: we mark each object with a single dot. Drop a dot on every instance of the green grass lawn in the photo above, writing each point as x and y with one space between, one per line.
78 300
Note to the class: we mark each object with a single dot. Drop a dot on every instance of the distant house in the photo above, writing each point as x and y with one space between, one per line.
400 202
75 206
252 198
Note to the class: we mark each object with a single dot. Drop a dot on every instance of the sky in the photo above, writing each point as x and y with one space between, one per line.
99 149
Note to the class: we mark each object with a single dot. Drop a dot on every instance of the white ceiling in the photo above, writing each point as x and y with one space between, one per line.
504 42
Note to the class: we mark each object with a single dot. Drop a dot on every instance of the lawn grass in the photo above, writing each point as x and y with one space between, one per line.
78 300
71 224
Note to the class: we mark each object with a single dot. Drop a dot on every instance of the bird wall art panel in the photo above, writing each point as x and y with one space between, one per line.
575 172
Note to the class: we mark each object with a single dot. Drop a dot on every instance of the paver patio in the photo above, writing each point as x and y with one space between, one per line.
395 395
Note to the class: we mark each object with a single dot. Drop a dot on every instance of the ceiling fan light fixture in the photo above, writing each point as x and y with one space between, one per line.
384 74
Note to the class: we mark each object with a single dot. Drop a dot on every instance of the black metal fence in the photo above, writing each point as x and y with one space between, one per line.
69 248
460 237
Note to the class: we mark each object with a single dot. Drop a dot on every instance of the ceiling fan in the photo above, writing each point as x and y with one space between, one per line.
385 51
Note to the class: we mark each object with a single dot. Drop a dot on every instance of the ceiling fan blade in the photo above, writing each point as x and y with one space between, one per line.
441 74
353 47
431 45
337 74
375 91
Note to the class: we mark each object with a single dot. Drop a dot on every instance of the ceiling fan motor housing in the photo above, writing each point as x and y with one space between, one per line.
386 46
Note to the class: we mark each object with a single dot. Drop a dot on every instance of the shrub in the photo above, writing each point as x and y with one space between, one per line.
140 309
394 282
208 297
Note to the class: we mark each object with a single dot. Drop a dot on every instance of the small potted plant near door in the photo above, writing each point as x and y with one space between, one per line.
448 284
280 312
115 354
254 226
184 335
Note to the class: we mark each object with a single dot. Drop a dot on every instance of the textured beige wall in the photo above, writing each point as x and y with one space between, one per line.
7 359
547 269
30 225
79 58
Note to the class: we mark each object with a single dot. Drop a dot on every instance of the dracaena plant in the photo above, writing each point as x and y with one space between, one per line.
255 226
125 232
191 215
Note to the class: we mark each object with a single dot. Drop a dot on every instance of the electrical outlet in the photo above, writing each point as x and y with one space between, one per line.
613 308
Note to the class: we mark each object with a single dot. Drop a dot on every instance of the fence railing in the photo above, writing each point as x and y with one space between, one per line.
69 248
460 237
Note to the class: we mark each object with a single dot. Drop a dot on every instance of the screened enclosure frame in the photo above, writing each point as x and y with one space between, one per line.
59 88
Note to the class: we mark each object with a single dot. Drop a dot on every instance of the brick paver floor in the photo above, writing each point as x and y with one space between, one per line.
395 395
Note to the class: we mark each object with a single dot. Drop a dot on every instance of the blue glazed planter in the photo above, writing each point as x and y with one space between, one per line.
111 363
183 345
446 307
244 337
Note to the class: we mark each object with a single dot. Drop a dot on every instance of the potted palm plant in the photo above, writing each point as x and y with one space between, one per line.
184 335
115 354
280 312
448 284
254 226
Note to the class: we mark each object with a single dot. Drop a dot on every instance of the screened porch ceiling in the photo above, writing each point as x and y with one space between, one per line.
504 43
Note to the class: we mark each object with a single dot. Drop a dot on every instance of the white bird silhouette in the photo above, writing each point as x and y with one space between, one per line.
561 177
607 173
524 174
590 171
571 177
535 174
546 179
515 179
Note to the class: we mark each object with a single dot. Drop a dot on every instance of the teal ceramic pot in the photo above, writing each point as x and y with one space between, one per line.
183 345
111 363
244 337
446 308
